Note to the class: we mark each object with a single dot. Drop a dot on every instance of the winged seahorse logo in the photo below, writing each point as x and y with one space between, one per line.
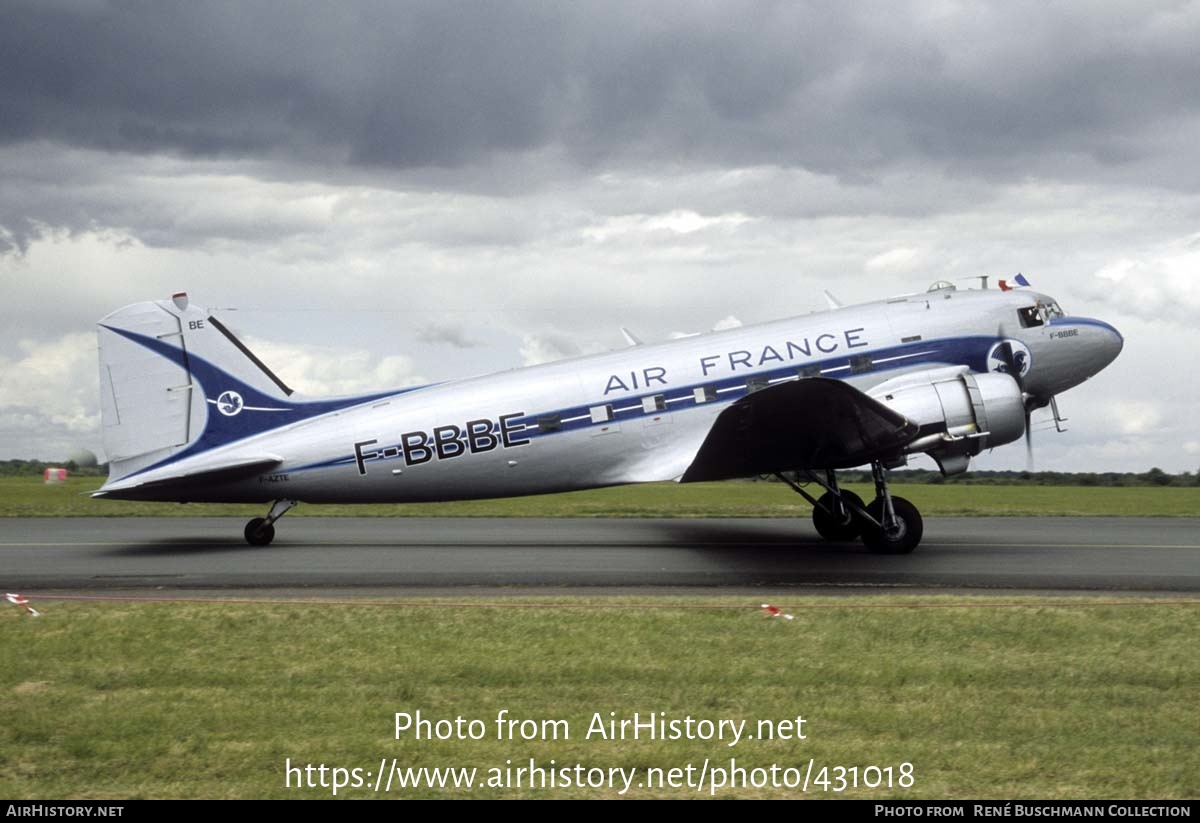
229 403
998 358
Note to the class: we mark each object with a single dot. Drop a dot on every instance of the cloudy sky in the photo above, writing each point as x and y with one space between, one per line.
386 193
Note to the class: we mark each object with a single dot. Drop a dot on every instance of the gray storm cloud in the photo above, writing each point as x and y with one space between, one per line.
848 89
898 107
404 181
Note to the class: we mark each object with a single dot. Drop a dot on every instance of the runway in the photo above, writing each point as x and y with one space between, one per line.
594 555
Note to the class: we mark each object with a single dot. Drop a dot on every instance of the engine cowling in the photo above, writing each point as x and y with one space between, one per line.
960 413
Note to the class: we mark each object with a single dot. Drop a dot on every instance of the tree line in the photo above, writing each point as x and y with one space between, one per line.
1153 477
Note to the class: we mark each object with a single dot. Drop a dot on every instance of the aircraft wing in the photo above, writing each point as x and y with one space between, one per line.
815 423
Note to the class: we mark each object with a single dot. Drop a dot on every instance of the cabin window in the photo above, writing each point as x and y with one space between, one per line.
705 394
601 414
808 371
550 423
1029 317
756 384
653 403
860 363
913 339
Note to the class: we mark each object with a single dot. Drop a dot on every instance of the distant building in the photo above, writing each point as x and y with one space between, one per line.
54 475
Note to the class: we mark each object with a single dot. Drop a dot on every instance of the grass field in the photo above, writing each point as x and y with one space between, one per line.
128 700
162 700
29 497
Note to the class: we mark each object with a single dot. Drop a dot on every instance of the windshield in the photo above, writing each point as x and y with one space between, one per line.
1040 313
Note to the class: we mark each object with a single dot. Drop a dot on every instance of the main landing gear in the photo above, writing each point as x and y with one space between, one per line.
887 525
261 530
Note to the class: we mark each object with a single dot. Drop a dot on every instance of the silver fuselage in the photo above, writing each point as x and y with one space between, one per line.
634 415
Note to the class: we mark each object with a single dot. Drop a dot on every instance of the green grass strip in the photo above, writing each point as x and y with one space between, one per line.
29 497
1070 698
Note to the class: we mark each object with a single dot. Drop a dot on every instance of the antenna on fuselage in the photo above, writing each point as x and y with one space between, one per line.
982 278
833 302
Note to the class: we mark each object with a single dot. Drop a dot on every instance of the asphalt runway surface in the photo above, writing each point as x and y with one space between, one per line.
465 555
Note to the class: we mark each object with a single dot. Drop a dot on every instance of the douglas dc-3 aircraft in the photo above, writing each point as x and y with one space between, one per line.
190 414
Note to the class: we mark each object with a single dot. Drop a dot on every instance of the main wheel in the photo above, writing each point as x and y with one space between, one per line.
832 527
906 535
259 532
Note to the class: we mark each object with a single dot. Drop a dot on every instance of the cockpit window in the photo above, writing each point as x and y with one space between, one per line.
1039 314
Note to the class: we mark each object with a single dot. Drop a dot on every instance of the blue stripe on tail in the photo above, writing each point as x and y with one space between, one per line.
237 410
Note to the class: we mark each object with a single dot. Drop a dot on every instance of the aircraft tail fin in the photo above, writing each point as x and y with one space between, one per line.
174 379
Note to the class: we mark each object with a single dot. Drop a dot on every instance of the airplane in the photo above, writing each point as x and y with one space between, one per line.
189 413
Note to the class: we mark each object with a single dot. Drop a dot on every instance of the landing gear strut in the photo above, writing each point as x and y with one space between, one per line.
888 525
833 512
834 517
895 526
261 530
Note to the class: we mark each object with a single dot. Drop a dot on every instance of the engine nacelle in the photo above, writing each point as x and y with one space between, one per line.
960 413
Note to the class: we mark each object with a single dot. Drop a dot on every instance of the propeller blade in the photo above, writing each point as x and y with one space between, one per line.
1028 441
1008 357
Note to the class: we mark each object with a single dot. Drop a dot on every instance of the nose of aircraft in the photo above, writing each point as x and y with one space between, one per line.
1098 345
1105 344
1073 349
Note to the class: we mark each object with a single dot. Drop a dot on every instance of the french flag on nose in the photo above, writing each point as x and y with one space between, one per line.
1019 280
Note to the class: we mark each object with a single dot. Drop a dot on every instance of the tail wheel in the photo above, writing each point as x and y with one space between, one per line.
903 538
259 532
835 528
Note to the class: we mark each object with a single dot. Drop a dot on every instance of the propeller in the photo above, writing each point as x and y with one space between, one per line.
1028 439
1014 368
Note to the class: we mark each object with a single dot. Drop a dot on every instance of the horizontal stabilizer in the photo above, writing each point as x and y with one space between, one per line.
153 487
815 423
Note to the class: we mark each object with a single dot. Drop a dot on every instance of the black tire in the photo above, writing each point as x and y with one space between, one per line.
912 527
830 527
259 532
